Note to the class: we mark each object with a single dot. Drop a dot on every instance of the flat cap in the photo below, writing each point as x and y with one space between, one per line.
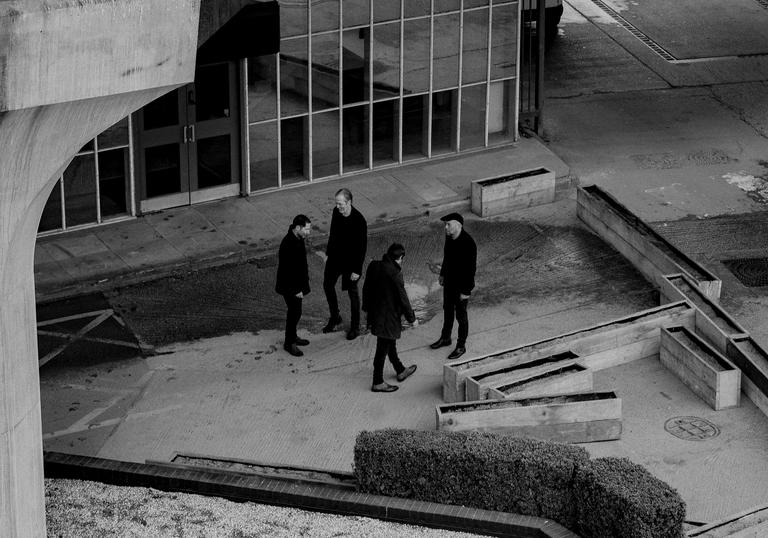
453 216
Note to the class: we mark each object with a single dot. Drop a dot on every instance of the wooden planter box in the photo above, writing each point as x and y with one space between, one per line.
476 386
751 523
492 196
559 380
697 364
571 418
601 346
752 360
649 252
711 320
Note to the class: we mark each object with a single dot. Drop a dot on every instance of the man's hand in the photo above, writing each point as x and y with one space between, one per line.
441 280
300 295
415 323
463 297
354 276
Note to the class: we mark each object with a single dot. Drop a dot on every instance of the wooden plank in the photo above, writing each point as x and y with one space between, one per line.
622 354
724 527
564 380
490 198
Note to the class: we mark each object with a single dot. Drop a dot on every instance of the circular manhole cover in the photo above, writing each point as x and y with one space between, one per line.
691 428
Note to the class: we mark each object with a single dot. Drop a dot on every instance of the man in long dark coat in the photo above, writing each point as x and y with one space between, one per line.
385 301
345 253
293 279
457 277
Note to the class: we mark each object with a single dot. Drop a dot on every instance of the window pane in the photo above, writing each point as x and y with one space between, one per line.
325 71
262 88
51 217
117 135
325 144
355 137
386 10
214 161
354 65
443 122
475 60
416 8
502 124
293 77
293 17
414 127
163 170
262 144
80 191
474 3
87 147
162 112
293 143
113 172
356 12
386 60
212 92
473 117
445 72
504 41
385 132
442 6
416 56
325 15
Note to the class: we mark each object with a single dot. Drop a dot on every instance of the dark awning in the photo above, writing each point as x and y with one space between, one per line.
253 30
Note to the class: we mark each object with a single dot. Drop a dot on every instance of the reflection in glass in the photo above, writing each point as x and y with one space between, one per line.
211 97
293 17
262 144
262 87
355 66
325 71
293 142
325 144
325 15
475 47
416 8
51 217
214 161
117 135
163 172
386 60
162 112
385 132
445 73
386 10
113 171
474 3
504 41
414 127
294 95
472 117
442 6
502 124
355 12
80 191
416 56
355 138
444 122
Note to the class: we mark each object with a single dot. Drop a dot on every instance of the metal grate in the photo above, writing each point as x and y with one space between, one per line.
691 428
752 272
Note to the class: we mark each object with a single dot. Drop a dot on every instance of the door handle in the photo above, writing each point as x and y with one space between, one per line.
192 130
186 138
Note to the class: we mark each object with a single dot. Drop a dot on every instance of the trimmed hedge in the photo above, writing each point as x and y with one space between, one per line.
621 499
482 470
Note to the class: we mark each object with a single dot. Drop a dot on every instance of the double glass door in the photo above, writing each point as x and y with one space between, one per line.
189 144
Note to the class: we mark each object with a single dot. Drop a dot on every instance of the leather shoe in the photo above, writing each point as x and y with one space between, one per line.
442 342
301 342
384 387
405 374
293 350
352 334
456 353
331 325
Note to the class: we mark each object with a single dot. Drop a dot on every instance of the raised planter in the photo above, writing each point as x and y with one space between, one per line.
570 418
476 387
601 346
495 195
701 367
649 252
558 380
752 360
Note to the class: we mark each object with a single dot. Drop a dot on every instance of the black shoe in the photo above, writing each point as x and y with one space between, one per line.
405 374
456 353
301 342
293 350
331 325
352 334
384 387
440 343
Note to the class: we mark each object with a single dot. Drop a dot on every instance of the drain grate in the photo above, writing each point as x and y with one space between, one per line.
752 272
691 428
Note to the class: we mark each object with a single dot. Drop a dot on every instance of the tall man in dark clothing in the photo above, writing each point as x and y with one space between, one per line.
385 301
457 276
293 279
347 243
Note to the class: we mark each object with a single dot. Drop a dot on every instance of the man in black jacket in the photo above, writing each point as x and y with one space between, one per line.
293 279
347 243
457 276
385 301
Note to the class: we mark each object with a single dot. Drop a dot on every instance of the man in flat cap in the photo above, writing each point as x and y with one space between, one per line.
457 277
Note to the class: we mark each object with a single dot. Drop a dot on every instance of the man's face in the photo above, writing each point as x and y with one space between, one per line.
343 205
303 232
452 228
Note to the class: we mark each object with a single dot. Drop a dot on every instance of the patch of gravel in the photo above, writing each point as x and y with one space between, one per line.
83 509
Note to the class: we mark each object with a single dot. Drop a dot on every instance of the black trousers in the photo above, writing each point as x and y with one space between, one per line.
292 318
385 347
455 307
330 277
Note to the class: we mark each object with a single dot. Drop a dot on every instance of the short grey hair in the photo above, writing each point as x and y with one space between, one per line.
345 192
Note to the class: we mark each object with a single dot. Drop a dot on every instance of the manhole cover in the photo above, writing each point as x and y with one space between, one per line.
752 272
691 428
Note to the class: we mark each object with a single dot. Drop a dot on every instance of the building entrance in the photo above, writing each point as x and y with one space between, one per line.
188 143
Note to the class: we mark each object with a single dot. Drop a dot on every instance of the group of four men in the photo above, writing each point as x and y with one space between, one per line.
385 300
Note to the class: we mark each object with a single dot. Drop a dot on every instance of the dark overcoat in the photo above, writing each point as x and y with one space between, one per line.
347 243
385 299
292 269
459 263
